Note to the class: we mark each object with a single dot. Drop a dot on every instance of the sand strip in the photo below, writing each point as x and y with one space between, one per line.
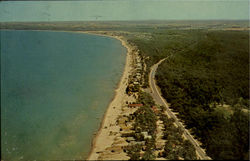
103 139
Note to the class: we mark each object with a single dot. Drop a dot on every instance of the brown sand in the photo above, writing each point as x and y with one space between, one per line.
103 139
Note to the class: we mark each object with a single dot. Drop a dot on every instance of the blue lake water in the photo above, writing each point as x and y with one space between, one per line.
55 88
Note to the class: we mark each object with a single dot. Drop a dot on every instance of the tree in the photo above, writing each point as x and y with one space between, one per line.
148 155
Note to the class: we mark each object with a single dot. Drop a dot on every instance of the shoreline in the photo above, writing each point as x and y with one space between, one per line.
101 140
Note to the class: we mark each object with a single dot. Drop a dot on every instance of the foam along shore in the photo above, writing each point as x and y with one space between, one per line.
103 138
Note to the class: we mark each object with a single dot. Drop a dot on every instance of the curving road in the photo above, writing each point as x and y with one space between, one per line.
161 101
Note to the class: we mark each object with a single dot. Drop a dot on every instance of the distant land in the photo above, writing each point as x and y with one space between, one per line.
129 25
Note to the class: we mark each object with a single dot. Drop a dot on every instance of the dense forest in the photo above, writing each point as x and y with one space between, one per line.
205 78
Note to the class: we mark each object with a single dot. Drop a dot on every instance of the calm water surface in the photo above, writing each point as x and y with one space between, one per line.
55 88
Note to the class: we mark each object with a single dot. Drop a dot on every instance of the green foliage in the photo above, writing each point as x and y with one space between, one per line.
175 146
161 44
134 151
162 108
187 151
146 99
204 69
145 121
148 155
132 88
215 70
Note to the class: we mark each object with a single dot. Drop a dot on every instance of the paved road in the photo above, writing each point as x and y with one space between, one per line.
161 101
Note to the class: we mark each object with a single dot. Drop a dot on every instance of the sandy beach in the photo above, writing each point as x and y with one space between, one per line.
103 138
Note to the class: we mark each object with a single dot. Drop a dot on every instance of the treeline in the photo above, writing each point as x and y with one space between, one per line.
207 83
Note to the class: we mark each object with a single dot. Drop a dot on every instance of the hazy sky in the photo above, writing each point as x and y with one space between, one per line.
123 10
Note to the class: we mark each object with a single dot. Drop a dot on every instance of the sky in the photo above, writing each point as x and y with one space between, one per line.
94 10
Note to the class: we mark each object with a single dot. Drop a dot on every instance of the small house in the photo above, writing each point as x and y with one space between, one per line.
135 105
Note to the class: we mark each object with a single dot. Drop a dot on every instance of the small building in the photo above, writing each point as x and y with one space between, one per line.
123 120
137 143
155 109
135 105
124 128
130 139
146 136
113 149
136 82
159 146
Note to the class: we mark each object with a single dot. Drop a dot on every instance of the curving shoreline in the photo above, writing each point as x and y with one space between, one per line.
103 139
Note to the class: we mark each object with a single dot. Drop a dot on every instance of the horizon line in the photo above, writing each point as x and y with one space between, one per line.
127 20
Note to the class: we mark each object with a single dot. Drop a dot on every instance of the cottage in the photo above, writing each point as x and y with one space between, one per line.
138 65
135 105
137 143
123 120
117 149
155 109
130 139
136 82
138 74
159 146
124 128
146 136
